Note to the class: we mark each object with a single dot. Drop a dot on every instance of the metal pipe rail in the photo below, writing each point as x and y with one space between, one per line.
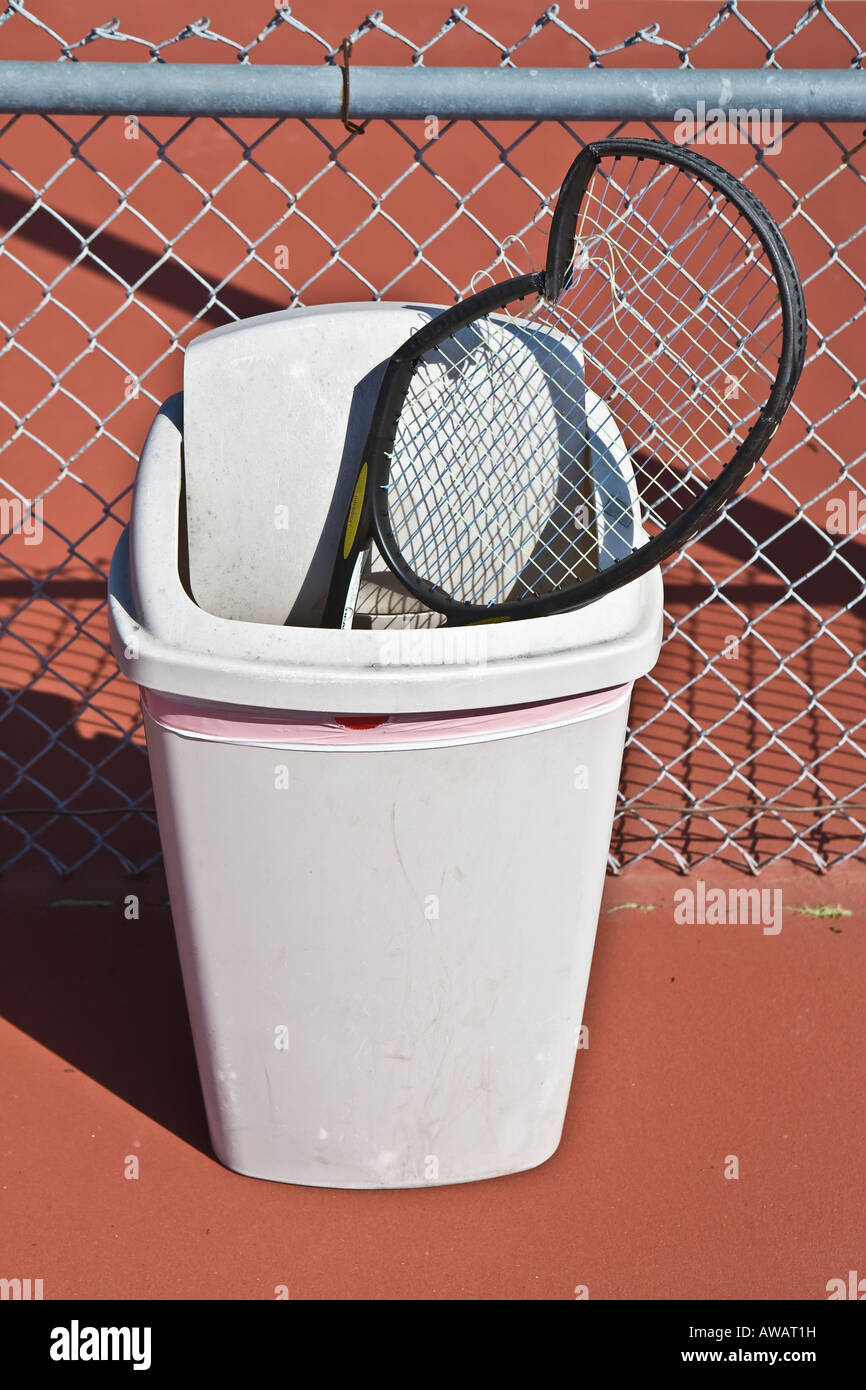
247 89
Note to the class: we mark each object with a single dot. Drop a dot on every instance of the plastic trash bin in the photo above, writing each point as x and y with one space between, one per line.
385 848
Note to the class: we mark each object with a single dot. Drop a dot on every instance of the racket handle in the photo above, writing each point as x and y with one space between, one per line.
354 544
361 561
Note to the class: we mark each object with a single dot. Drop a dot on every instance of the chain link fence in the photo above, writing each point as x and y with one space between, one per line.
123 237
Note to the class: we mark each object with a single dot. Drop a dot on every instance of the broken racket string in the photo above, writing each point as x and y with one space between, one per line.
717 385
503 259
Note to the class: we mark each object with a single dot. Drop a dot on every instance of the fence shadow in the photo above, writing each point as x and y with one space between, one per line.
101 989
105 994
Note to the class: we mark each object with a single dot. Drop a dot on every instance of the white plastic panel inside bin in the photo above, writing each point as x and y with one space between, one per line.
276 412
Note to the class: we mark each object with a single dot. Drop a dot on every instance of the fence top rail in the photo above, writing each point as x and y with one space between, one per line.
222 89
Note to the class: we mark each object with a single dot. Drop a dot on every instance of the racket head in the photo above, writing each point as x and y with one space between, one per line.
429 457
523 461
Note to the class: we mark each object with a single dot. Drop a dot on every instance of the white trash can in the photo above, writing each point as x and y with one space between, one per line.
385 849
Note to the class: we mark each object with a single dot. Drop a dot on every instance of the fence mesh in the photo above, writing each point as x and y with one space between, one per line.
123 238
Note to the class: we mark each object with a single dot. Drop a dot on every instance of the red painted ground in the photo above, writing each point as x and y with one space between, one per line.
704 1042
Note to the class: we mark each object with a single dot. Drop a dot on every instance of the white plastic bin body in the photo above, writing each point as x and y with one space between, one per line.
385 852
386 937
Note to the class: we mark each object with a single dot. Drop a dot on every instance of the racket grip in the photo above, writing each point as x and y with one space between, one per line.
353 541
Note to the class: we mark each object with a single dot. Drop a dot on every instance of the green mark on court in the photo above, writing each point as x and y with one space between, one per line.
822 911
83 902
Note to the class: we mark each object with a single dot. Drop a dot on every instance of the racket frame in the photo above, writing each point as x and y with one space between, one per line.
549 284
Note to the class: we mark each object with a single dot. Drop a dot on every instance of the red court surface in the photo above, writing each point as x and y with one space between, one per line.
705 1042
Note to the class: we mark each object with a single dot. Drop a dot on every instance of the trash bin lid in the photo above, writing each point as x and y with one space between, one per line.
168 642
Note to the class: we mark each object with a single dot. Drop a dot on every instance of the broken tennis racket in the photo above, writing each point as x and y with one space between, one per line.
560 433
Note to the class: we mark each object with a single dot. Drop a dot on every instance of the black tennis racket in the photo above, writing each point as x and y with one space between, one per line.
559 434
